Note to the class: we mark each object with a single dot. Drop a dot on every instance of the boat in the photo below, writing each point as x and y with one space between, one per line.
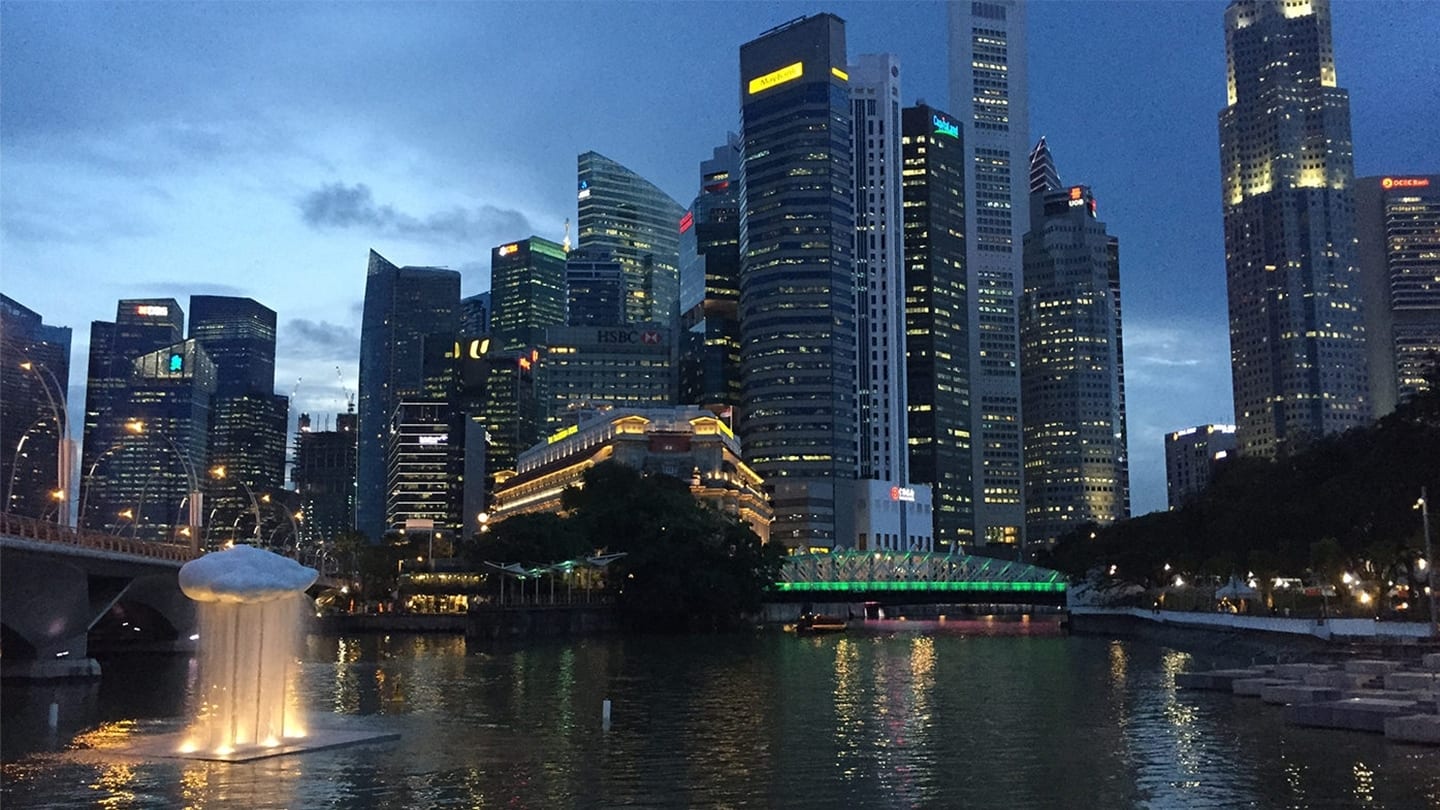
810 623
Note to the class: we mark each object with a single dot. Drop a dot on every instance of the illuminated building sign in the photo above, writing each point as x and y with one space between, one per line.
156 311
1405 182
561 434
584 193
177 363
943 127
906 494
687 221
777 77
840 74
627 336
513 247
478 348
431 441
1076 192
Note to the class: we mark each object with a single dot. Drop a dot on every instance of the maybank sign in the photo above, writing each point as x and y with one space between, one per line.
943 127
777 77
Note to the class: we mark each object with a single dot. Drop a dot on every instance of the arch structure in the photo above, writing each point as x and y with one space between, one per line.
879 572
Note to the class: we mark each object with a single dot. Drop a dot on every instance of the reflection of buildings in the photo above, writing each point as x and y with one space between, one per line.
691 444
797 281
1297 338
29 398
1190 458
1398 228
324 477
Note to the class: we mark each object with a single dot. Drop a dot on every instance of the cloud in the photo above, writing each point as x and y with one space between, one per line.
181 288
339 206
301 337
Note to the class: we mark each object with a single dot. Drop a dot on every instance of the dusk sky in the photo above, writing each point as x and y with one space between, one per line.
262 149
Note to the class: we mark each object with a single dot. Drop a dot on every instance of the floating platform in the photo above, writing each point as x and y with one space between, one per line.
170 745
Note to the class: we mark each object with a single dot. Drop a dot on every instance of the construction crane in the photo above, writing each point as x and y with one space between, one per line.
349 395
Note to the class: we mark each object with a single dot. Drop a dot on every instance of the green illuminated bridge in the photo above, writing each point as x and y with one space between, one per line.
914 576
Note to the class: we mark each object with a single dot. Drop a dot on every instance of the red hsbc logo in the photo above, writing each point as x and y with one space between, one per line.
650 338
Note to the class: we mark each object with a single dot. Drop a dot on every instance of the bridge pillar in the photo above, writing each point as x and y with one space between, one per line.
49 607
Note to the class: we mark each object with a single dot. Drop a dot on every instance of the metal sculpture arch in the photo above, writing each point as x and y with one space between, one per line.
900 571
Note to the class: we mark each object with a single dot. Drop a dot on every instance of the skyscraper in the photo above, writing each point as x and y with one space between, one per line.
581 369
1398 229
989 94
420 469
1190 459
527 292
797 280
709 363
879 309
475 314
36 456
1072 363
594 289
937 320
627 215
325 478
1297 337
404 307
248 420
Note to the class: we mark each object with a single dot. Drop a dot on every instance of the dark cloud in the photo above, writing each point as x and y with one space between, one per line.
181 288
319 340
340 206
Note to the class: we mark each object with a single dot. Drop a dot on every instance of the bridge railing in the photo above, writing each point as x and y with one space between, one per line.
850 570
31 529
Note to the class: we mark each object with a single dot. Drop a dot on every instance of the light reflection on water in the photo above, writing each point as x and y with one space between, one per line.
959 713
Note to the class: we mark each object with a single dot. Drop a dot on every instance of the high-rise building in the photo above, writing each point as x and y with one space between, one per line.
879 309
627 215
420 469
581 369
324 476
404 307
937 320
989 94
1297 337
475 314
144 489
1072 364
1397 224
594 288
248 420
36 454
1191 456
527 292
797 280
709 362
141 326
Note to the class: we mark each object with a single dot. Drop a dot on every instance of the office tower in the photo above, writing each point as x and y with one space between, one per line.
141 326
1297 337
585 368
324 477
594 288
709 345
36 453
404 307
797 280
144 488
248 420
1397 225
989 94
627 215
937 320
527 292
880 311
420 469
1191 456
475 314
1072 364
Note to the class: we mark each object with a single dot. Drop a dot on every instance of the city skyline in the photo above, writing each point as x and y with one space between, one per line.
179 163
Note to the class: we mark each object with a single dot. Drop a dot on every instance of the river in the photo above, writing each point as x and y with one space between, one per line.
964 714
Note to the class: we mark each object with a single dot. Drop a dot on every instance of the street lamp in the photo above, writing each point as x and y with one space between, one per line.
64 463
1424 506
196 497
218 473
134 427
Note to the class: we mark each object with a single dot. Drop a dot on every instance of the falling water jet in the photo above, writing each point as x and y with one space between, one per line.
252 608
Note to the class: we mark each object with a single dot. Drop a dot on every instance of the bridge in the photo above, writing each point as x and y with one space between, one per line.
915 577
61 589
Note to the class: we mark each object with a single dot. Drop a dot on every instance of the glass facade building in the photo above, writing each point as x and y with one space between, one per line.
584 369
1191 456
989 94
1398 228
937 321
594 289
420 470
627 215
709 345
797 278
1297 337
404 308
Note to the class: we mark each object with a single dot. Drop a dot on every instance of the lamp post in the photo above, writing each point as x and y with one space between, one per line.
218 473
196 497
1424 506
64 462
133 427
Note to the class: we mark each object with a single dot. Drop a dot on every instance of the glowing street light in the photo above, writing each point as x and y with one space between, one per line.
64 451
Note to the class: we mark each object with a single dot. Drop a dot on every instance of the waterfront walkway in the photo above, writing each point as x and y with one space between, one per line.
1332 629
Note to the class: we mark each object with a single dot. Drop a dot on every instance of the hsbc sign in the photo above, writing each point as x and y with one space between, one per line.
628 337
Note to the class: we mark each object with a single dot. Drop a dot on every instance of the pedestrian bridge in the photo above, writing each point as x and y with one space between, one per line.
917 577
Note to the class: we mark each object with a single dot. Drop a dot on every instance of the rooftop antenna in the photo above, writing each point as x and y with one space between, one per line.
566 243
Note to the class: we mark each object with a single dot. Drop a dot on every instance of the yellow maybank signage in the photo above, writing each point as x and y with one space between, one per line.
777 77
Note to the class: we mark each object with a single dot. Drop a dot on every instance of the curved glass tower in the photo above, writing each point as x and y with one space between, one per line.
639 225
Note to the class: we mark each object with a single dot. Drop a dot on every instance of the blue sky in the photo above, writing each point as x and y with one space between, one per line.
261 149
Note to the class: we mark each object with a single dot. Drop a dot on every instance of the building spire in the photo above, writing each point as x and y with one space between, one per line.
1043 176
565 244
